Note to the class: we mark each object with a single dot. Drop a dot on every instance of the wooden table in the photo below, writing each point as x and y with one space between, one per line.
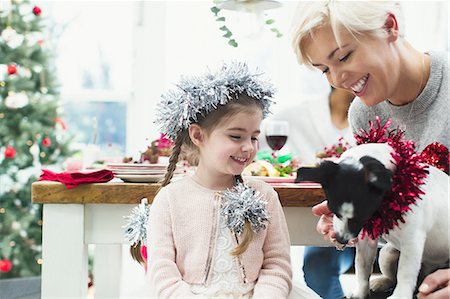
93 214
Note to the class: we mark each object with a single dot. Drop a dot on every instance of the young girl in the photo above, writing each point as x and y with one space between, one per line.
213 234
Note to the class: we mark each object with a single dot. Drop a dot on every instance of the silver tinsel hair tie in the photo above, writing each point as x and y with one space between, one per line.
243 203
198 96
136 227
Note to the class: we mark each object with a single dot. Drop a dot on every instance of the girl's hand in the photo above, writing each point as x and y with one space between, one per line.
435 285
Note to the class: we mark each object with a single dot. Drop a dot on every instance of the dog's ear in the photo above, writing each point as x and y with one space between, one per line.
320 174
376 174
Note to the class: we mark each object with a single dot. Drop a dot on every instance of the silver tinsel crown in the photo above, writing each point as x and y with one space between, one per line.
136 227
243 203
199 95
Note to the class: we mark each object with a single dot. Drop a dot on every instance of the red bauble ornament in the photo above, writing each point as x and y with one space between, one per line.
37 11
12 69
5 265
437 155
10 152
46 142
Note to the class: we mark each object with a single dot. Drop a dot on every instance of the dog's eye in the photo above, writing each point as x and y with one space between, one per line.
338 215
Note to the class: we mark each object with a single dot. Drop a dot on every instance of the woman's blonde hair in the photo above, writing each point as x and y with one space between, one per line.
357 17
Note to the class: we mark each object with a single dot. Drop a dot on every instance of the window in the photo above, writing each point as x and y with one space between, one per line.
93 41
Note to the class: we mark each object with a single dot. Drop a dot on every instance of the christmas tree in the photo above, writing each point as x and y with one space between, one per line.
32 133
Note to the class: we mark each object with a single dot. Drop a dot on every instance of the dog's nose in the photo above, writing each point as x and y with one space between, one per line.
341 239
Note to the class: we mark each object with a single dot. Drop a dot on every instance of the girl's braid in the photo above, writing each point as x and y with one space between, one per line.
136 249
173 160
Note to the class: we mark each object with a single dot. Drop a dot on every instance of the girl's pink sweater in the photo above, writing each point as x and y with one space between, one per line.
181 239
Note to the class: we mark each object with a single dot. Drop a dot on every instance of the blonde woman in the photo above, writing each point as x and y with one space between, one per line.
360 47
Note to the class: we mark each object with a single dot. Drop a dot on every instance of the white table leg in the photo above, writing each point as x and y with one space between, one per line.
107 270
64 252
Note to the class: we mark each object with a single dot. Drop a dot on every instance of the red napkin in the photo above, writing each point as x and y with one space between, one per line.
73 179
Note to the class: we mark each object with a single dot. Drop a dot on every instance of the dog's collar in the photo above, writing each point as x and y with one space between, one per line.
406 182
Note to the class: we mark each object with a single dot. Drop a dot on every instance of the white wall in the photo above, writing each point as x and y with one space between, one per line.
182 37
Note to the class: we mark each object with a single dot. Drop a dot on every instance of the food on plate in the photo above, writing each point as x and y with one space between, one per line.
261 168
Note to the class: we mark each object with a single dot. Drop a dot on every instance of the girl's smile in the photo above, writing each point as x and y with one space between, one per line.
242 161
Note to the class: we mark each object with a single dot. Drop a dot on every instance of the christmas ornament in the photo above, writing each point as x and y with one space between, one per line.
12 38
12 69
136 227
37 11
24 9
243 203
37 68
163 145
32 39
16 100
15 225
10 152
198 96
59 122
437 155
406 182
25 72
5 265
46 142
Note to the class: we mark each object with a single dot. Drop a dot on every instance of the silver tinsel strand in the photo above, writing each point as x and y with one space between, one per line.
136 227
199 95
243 203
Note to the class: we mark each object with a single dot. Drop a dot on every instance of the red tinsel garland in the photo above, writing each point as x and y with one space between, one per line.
406 181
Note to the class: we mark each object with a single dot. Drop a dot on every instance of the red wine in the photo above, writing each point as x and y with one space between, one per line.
276 142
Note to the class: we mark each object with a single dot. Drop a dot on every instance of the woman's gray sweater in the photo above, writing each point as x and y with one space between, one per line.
425 120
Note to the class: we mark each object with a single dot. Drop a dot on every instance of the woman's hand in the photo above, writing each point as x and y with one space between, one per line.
325 225
435 285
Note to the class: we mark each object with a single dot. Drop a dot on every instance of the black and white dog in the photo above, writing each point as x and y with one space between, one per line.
355 187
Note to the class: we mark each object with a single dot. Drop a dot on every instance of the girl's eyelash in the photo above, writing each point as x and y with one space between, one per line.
239 137
325 71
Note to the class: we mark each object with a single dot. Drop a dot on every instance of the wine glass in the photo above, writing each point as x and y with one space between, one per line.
277 132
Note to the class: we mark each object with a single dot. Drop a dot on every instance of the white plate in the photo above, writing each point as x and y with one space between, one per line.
273 179
135 166
139 171
136 178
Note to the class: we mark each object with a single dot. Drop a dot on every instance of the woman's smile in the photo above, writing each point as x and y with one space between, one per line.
360 86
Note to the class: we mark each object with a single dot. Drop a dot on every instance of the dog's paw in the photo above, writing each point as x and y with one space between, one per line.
381 284
358 294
